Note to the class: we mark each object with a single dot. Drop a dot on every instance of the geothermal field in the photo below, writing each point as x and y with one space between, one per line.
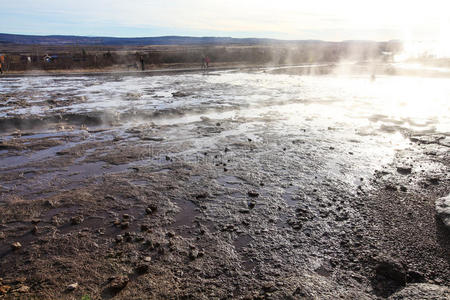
257 183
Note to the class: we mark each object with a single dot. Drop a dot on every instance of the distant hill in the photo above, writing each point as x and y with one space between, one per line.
114 41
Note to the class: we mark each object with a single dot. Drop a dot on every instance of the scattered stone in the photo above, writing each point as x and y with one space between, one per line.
244 211
253 194
76 220
390 187
72 287
404 170
2 235
269 288
151 138
403 188
179 94
193 254
147 259
119 238
422 291
16 245
433 180
56 221
201 196
170 234
116 222
148 211
23 289
142 269
389 269
110 197
118 283
251 204
125 225
144 227
415 277
4 289
153 207
125 216
443 210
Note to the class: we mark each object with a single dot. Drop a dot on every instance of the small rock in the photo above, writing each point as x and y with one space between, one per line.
390 187
415 277
125 216
443 210
144 227
2 235
269 288
16 245
119 238
170 234
423 291
148 211
76 220
253 194
110 197
251 204
147 259
23 289
193 254
392 270
119 283
116 222
125 225
433 180
179 94
153 207
72 287
403 188
142 269
404 170
4 289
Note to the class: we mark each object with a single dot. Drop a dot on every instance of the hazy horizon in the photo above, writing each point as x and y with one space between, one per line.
287 20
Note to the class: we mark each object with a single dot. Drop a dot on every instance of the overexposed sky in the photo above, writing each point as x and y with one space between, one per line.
285 19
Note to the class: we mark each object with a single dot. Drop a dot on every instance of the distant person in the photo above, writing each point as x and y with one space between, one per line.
203 63
2 63
142 63
207 61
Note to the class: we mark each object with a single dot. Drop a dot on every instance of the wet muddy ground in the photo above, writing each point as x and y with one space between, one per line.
228 185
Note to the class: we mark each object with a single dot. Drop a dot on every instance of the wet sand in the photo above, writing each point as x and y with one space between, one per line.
236 185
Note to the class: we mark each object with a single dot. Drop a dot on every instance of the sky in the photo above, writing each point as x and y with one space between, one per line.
330 20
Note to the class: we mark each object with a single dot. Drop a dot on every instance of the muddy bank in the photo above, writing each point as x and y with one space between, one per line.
247 201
